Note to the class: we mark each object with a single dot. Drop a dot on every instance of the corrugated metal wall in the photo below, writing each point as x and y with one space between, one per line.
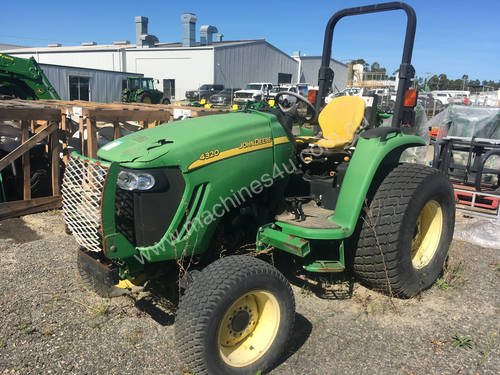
237 65
310 67
105 86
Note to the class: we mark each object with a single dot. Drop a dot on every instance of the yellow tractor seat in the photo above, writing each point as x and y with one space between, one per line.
339 121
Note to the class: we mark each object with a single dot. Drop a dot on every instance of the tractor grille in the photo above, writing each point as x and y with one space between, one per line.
82 189
124 214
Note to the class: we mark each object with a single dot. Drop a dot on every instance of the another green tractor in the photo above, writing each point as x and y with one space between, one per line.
141 90
189 197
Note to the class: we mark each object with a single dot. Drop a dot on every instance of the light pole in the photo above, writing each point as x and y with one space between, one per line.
427 74
225 79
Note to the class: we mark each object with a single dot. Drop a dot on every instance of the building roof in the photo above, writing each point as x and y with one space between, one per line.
42 65
6 46
116 47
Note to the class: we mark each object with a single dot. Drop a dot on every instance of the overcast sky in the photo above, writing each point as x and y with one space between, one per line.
453 37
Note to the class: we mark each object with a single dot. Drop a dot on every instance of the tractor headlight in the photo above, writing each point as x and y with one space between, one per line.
128 180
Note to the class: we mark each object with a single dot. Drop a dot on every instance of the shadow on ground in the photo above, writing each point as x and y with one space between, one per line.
301 332
18 231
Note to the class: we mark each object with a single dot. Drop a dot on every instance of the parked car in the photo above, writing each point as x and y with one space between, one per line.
253 92
460 99
286 100
442 97
204 92
223 97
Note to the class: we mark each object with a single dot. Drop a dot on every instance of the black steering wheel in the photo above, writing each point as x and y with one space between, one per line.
292 110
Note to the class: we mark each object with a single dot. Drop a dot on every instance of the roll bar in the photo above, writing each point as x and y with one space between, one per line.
406 71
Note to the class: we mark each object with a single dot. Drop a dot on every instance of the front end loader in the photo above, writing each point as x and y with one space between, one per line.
24 79
187 195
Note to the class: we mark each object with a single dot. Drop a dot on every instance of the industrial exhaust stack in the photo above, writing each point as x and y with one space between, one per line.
142 38
188 29
206 32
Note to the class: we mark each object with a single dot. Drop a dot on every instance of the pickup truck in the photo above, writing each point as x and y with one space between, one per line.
204 92
253 92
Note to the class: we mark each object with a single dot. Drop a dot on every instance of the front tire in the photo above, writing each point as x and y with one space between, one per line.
406 231
235 318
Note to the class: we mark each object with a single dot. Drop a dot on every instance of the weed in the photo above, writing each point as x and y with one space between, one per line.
102 309
371 221
185 371
47 332
441 284
2 344
305 291
26 328
486 350
135 336
462 341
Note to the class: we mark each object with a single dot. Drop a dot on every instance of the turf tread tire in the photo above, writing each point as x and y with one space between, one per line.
387 215
202 299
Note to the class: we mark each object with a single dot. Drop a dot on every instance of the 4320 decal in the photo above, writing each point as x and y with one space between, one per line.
209 154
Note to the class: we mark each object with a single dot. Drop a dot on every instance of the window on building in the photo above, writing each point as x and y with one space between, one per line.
79 88
284 78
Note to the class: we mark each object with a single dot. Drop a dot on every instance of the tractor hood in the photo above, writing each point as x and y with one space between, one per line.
181 143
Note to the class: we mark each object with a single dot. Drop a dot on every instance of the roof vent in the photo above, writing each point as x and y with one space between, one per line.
188 29
219 37
89 43
54 45
206 32
121 42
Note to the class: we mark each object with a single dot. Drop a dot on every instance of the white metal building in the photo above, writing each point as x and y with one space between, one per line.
184 65
93 85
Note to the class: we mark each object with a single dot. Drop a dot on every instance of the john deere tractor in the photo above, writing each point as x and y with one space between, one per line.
183 198
141 90
24 79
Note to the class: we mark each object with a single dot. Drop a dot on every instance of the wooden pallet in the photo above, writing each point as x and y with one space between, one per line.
51 119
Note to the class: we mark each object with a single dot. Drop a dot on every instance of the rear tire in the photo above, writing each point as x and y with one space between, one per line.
144 98
406 231
165 100
235 318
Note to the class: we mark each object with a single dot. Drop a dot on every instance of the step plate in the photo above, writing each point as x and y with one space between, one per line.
316 217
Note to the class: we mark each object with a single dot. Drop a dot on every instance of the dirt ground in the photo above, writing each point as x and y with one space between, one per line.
50 324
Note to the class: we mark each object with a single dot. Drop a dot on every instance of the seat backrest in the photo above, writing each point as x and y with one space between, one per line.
341 118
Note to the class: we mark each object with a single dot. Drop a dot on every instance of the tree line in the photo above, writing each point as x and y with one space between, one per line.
435 82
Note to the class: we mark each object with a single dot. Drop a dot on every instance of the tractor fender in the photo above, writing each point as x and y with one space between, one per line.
373 153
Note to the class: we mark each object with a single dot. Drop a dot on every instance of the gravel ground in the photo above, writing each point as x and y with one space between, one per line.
50 324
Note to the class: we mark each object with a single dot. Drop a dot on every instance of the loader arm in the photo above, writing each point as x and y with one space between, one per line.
25 79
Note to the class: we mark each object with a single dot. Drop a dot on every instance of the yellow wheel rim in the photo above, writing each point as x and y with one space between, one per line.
147 100
248 328
428 231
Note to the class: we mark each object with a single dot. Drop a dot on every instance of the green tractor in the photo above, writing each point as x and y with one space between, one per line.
24 79
141 90
190 197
